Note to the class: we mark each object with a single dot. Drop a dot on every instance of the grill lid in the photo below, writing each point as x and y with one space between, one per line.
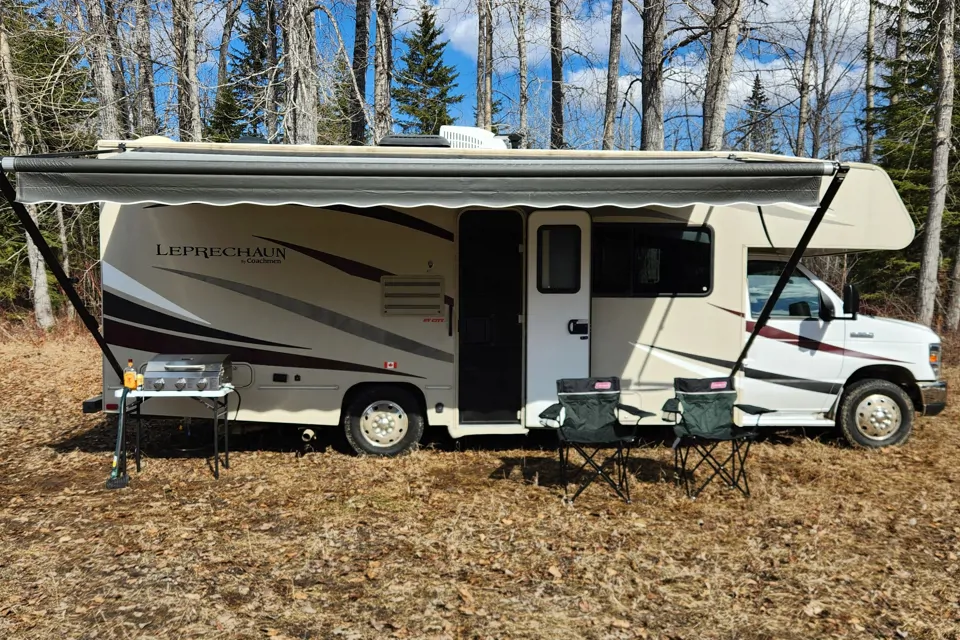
207 362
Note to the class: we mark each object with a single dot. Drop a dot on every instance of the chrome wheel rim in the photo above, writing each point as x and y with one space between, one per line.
383 424
878 417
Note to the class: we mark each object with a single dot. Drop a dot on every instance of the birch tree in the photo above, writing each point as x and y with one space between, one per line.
870 83
613 72
146 101
805 80
724 32
520 31
361 60
939 169
188 85
383 70
42 307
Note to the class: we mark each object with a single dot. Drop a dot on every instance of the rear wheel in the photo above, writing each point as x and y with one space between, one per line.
875 413
383 421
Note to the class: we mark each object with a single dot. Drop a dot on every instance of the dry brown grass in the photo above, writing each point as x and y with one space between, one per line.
456 544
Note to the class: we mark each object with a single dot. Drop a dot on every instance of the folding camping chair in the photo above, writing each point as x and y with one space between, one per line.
703 414
586 420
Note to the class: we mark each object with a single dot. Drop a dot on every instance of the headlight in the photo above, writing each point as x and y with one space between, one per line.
935 363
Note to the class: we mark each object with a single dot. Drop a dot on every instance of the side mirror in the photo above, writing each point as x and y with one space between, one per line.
851 300
827 311
799 309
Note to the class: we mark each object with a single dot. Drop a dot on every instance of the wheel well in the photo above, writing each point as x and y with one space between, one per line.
894 374
356 389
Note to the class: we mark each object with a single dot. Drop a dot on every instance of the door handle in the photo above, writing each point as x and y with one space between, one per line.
578 328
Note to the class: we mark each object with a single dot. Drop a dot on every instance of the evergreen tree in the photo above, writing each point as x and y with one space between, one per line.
756 132
904 150
250 70
333 122
425 85
226 122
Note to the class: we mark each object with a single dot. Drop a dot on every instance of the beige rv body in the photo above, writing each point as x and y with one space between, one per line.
301 289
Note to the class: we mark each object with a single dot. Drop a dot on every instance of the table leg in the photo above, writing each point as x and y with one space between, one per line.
226 431
139 428
216 442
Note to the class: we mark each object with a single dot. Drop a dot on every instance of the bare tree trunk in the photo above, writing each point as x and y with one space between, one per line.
383 71
724 32
556 74
64 252
899 47
524 100
42 307
271 108
870 81
651 83
188 86
488 67
361 60
146 101
301 116
930 265
481 111
98 46
613 73
805 76
229 21
124 104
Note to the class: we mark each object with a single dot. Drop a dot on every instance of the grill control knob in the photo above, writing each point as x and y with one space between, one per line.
158 384
180 384
202 384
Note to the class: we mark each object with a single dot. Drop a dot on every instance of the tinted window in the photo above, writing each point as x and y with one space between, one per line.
558 259
800 298
651 260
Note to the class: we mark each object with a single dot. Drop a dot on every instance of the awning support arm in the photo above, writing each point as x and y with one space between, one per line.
54 265
792 263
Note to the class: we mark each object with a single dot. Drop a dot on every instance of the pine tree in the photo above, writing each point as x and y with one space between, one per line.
226 122
756 132
251 70
424 84
334 122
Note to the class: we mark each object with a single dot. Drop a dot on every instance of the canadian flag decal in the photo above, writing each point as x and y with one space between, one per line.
389 365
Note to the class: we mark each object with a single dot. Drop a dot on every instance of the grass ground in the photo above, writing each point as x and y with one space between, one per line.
456 541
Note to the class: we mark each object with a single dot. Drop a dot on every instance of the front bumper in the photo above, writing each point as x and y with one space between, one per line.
934 397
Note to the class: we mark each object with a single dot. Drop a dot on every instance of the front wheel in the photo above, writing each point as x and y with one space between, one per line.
875 413
383 421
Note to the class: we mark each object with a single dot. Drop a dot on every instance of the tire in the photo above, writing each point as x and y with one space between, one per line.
875 413
383 421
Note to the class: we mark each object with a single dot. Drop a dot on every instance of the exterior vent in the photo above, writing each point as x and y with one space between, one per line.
412 295
400 140
471 138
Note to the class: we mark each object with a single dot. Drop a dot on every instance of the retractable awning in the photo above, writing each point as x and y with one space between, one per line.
366 177
445 179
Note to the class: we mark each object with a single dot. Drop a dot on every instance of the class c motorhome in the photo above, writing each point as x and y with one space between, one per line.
386 288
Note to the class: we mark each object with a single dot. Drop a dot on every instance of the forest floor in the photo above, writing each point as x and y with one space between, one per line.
458 540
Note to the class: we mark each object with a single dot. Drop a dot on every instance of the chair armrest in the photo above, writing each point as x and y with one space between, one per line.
552 412
672 405
753 410
634 411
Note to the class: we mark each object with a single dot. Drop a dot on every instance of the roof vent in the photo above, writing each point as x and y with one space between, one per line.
471 138
411 140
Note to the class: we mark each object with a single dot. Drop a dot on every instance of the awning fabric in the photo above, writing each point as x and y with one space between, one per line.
173 177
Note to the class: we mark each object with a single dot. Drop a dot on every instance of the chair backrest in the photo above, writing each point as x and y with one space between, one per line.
707 405
589 408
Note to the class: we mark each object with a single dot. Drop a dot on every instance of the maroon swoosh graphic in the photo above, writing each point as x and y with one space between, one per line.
807 343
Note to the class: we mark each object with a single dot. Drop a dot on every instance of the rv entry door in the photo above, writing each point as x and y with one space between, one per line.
558 305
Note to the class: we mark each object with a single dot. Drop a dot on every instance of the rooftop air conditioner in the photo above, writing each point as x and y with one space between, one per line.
472 138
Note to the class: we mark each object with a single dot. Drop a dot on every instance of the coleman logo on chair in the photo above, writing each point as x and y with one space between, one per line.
719 384
602 385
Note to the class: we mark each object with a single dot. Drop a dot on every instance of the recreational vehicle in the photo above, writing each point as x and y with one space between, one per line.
383 289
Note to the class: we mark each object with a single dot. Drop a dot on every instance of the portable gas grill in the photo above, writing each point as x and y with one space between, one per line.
205 378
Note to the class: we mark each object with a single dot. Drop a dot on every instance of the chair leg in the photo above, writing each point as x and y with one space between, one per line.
599 470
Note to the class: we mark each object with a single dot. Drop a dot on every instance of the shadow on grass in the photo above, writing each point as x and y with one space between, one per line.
545 472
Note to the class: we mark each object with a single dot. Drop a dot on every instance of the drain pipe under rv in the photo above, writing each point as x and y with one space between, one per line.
54 265
798 251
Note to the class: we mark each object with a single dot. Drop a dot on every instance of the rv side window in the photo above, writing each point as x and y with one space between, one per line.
644 260
800 298
558 259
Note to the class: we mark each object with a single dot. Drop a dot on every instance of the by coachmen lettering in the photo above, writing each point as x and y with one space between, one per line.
264 253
